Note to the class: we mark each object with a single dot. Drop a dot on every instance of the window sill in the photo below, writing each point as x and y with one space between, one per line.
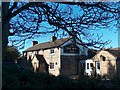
52 69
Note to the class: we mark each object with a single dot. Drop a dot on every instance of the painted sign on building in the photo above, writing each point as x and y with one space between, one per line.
71 48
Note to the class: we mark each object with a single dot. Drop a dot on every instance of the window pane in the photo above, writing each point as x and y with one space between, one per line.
102 58
51 65
51 50
87 65
98 65
91 64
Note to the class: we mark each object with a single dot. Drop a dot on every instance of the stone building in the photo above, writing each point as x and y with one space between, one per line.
66 56
57 57
107 62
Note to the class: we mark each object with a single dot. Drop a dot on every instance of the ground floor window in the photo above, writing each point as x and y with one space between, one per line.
91 65
51 65
87 65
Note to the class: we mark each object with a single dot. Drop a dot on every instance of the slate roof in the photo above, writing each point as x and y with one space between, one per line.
92 53
48 45
115 51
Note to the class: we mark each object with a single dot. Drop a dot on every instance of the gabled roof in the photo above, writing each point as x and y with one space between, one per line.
91 53
113 51
48 45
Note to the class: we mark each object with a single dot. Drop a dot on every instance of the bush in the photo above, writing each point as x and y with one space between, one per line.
10 81
21 79
11 54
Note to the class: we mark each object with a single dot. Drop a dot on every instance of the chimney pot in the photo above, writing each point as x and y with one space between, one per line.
53 38
73 33
35 42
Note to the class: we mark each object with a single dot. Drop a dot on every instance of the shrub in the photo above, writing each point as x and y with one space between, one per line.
10 81
11 54
21 79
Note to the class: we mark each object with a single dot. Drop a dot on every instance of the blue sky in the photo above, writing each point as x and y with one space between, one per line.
110 33
107 35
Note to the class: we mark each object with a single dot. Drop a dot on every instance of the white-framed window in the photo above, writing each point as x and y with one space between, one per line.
35 52
52 51
51 65
98 65
91 65
87 65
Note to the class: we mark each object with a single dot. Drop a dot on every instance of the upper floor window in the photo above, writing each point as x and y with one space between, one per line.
52 51
35 52
103 58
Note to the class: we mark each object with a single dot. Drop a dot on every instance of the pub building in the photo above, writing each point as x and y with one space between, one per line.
58 56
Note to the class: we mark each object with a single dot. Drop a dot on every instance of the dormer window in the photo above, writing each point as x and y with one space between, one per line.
52 51
103 58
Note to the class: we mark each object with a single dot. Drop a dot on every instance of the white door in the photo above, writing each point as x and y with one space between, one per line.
98 68
89 67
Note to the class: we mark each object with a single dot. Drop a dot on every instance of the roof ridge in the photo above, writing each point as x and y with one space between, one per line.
48 44
53 41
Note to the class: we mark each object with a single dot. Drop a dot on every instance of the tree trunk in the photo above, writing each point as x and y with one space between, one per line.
5 27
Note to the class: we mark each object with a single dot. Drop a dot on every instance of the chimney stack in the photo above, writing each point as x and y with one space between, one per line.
53 38
35 42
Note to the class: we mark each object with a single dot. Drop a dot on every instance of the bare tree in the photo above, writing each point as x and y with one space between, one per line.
24 20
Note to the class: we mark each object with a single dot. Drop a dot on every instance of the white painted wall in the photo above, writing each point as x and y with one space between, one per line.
53 58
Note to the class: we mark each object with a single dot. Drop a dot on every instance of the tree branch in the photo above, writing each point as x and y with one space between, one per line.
21 9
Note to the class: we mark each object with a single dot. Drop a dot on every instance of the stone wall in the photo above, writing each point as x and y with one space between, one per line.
53 58
108 68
